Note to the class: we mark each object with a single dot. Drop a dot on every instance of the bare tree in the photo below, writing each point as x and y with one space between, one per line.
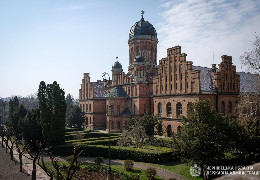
251 58
74 165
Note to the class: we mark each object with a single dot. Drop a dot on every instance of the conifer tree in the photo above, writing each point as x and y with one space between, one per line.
52 107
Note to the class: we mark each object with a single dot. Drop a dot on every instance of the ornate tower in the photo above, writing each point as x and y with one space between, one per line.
143 42
117 74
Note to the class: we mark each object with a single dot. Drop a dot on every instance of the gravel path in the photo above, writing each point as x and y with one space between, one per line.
9 170
165 174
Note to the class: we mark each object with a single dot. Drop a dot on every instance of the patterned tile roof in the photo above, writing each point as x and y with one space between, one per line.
99 89
249 83
207 81
117 91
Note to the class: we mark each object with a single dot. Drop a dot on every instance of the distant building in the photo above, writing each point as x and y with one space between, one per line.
165 90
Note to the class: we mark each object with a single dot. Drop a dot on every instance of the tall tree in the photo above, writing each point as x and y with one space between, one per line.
31 128
52 106
206 136
15 115
69 101
75 117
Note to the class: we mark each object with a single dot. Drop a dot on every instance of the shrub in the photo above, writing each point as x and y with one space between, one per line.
99 160
128 165
150 173
144 155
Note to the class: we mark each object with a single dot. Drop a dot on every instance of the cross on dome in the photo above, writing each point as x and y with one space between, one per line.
142 13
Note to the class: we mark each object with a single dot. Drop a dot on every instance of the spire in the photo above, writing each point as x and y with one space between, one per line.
142 14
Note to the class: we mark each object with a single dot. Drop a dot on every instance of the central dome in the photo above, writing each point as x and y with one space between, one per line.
142 29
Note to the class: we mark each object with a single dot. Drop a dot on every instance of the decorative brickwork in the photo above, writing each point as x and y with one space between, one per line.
166 90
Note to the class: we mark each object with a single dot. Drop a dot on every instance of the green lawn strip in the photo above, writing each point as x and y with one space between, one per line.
134 172
116 170
178 168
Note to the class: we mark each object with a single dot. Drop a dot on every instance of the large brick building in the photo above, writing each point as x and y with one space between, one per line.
166 89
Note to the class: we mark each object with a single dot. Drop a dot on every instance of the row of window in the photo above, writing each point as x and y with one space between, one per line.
112 110
223 107
88 107
169 109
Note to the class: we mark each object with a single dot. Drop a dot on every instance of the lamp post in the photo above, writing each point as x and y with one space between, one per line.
109 122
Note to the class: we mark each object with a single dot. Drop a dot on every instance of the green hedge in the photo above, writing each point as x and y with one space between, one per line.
143 155
86 135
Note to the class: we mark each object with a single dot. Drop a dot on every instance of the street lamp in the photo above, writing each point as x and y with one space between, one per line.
109 122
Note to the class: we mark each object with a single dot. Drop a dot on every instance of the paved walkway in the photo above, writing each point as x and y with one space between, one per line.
41 175
165 174
27 166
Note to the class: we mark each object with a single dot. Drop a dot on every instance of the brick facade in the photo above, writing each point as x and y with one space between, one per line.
165 90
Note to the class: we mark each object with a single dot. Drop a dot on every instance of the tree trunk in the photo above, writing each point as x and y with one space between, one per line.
21 161
6 145
2 141
34 169
11 153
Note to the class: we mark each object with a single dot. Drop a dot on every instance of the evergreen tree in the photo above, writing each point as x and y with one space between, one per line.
69 101
31 128
206 136
52 107
16 113
75 117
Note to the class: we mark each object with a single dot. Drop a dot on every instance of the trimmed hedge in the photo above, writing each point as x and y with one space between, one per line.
117 152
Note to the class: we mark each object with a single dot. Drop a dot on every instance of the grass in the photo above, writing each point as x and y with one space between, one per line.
135 172
178 168
115 168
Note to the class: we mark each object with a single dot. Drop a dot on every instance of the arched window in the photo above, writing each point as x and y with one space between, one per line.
118 109
118 125
223 107
169 131
179 130
169 109
159 109
179 109
125 126
229 107
112 125
112 110
189 107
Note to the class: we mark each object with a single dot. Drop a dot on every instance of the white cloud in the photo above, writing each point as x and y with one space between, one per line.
72 7
202 27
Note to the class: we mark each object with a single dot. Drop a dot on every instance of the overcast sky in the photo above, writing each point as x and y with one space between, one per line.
60 40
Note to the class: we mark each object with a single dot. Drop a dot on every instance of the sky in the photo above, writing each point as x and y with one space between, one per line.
59 40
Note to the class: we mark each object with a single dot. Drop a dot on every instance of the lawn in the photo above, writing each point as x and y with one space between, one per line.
178 168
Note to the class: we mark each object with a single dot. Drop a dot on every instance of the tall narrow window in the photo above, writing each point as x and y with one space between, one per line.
118 125
179 109
223 107
83 107
144 109
229 107
89 107
112 125
159 109
189 107
169 109
112 110
118 109
86 108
